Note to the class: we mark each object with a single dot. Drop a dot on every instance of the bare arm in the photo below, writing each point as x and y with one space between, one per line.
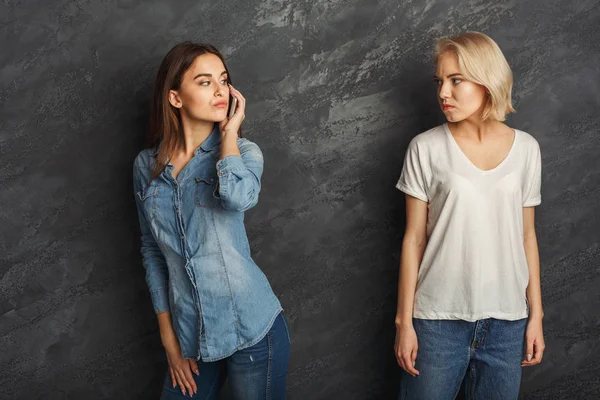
534 334
534 290
167 333
413 247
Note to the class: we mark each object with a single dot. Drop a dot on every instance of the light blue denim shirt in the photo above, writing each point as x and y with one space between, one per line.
196 252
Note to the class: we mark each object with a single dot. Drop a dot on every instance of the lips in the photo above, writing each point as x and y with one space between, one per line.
220 104
446 107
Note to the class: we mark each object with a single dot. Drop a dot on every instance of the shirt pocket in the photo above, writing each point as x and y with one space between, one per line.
205 194
148 201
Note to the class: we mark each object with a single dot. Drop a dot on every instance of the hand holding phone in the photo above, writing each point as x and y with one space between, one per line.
233 106
235 116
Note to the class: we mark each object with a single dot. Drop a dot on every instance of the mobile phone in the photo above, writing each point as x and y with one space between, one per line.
232 106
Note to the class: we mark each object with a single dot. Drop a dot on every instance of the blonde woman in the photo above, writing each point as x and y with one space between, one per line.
469 298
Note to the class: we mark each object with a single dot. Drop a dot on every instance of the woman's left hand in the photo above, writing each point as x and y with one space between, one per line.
232 125
534 337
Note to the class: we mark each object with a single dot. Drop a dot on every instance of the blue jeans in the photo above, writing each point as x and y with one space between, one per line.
486 353
255 373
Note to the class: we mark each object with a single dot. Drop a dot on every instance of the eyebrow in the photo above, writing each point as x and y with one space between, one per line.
208 75
449 76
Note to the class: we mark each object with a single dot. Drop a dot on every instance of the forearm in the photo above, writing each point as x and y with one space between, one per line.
229 146
167 333
534 290
412 254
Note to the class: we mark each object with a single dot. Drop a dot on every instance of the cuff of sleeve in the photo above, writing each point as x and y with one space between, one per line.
412 193
229 164
533 202
160 301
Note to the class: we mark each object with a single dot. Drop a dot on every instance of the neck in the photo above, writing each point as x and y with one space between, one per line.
474 127
194 133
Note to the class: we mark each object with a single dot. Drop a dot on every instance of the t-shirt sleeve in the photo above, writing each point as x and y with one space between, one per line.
532 194
412 179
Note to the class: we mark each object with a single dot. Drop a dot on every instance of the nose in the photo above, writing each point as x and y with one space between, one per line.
444 90
221 91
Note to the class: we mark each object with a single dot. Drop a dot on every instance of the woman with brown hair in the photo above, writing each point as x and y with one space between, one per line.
469 297
216 311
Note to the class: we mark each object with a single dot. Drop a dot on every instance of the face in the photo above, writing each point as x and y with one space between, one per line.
459 98
204 93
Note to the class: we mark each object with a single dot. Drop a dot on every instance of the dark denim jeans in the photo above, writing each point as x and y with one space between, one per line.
486 353
255 373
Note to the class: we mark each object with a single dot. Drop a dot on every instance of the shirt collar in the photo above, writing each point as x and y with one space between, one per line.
212 141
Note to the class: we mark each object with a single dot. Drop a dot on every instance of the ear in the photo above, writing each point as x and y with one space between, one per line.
174 99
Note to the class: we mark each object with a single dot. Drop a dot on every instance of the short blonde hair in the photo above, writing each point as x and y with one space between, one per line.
481 61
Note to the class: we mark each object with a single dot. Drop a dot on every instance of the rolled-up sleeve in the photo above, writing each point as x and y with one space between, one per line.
153 260
239 177
412 178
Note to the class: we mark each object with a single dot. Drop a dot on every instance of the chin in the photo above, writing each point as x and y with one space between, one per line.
453 118
216 117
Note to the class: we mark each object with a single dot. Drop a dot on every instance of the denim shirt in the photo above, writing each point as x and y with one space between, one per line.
195 250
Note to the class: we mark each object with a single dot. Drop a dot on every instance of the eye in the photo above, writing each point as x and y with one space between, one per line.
456 81
437 82
204 83
224 81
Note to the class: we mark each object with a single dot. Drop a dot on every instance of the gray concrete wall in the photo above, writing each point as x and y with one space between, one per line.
335 89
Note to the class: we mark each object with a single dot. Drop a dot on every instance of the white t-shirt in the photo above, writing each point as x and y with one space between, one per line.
474 264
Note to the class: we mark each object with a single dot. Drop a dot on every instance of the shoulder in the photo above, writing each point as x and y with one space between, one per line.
145 159
143 166
528 142
427 140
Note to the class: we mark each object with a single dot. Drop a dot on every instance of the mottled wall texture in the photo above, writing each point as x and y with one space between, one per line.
336 89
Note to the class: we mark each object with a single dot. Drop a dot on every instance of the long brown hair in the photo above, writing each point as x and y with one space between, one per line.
166 133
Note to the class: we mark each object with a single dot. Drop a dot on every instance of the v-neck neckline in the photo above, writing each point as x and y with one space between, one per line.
468 160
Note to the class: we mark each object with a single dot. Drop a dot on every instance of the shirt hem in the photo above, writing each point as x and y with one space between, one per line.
471 317
244 345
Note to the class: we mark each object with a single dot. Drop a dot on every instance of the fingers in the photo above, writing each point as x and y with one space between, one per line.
241 106
180 383
533 354
528 351
189 380
173 379
413 357
194 367
238 94
184 378
234 122
399 359
409 365
538 352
